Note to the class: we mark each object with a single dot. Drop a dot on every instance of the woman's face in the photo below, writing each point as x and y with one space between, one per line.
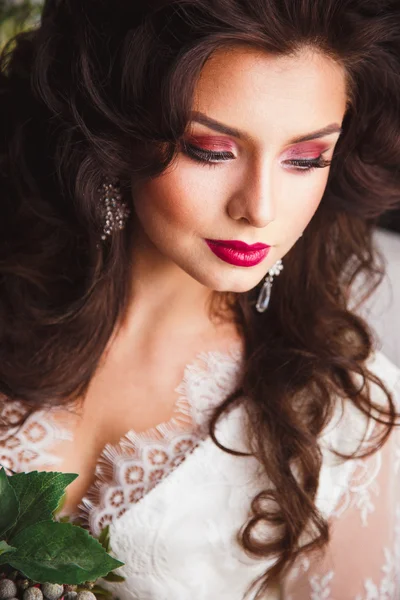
259 184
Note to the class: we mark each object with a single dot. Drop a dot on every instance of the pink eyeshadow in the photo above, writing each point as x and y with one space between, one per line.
210 143
306 150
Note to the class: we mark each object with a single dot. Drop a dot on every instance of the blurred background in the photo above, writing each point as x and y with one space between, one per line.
17 15
383 308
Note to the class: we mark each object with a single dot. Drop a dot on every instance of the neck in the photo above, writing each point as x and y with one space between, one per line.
165 299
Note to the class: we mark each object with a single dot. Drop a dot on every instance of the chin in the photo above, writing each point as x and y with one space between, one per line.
220 280
225 284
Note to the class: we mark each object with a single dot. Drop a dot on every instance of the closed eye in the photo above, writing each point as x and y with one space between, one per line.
308 164
206 157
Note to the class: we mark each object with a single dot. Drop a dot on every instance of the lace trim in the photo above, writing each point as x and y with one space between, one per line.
128 470
363 488
388 587
28 447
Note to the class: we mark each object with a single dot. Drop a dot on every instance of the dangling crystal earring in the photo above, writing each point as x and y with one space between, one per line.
114 211
265 292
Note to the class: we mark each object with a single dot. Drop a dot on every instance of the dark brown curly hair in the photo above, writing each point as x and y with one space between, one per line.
105 88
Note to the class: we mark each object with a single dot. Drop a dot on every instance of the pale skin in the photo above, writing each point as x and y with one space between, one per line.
256 195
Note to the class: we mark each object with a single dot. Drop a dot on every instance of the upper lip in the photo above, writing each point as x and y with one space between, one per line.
239 245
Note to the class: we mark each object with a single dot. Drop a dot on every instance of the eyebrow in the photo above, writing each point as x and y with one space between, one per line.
203 119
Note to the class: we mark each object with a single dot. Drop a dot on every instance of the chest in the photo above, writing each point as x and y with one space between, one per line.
121 398
151 400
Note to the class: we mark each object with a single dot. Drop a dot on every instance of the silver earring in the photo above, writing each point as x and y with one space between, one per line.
265 292
114 211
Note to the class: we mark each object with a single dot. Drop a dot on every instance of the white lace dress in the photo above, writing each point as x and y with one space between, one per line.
175 501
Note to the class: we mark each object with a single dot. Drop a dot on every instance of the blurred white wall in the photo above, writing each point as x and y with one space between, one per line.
382 310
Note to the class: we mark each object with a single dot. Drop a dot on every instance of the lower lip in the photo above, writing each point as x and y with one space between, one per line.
239 258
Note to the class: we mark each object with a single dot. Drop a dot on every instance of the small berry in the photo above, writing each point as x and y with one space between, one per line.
23 584
88 585
70 596
8 589
86 596
52 591
33 593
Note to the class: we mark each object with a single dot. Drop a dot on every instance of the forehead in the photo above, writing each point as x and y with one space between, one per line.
268 95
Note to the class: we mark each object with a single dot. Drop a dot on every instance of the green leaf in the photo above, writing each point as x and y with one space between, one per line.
99 591
60 553
4 548
64 519
39 495
104 538
60 504
113 577
8 502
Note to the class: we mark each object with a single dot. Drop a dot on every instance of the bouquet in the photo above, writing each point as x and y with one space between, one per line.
41 558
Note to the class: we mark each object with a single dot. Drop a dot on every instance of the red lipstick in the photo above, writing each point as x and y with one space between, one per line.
238 253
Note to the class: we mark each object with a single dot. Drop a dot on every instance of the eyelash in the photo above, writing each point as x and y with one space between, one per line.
212 159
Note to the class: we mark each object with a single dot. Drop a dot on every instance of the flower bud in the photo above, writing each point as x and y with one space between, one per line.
8 589
52 591
33 593
86 596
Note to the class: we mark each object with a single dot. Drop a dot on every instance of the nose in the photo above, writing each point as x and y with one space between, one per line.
255 201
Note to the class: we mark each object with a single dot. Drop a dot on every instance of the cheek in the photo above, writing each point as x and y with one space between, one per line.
304 199
174 200
161 201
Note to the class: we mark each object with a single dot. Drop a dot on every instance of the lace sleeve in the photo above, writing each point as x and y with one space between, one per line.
362 561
